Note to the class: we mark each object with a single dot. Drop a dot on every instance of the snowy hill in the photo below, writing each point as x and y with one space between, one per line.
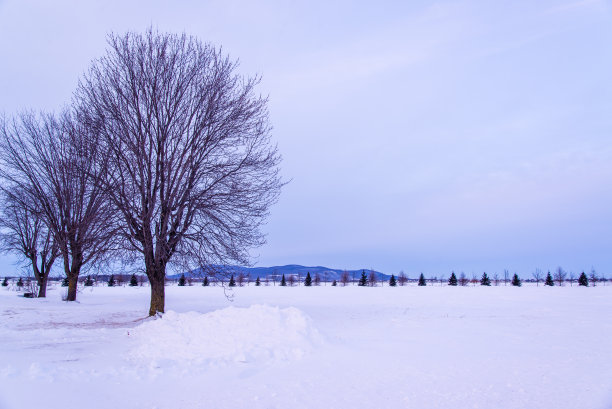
326 273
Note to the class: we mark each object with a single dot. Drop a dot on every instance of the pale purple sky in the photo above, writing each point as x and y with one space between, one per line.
419 136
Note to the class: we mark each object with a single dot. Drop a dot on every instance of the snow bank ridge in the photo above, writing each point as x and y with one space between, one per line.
256 333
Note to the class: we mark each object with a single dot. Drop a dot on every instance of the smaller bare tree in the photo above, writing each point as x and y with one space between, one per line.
506 277
402 279
593 278
372 279
537 276
572 278
463 280
345 278
496 279
317 279
560 275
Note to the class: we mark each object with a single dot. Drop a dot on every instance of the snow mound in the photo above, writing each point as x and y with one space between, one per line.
256 333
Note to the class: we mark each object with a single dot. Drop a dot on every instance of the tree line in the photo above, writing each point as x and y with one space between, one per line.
162 159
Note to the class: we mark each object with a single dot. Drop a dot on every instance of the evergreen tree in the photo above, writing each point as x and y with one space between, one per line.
392 281
422 282
453 279
485 280
549 280
111 281
133 281
65 282
257 282
283 281
583 280
182 281
334 283
516 281
20 282
205 283
88 282
5 282
232 282
308 280
363 281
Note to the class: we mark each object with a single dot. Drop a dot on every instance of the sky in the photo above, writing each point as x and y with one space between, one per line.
417 136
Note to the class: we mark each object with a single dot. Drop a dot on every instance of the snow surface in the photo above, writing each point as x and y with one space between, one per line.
310 347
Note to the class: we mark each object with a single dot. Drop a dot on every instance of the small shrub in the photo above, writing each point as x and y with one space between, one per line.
583 280
422 282
549 280
182 281
232 282
452 280
257 282
133 281
392 281
283 282
111 280
363 281
205 283
308 280
5 282
88 282
485 280
334 283
516 281
20 282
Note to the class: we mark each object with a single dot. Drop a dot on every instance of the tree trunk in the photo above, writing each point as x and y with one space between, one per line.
72 288
158 296
42 286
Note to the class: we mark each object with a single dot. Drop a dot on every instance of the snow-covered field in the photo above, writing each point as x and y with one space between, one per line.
310 347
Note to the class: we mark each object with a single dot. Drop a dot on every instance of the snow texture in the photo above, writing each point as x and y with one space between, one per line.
433 347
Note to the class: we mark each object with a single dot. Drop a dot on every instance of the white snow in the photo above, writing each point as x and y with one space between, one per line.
318 347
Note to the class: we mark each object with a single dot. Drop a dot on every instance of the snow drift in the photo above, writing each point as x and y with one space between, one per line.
256 333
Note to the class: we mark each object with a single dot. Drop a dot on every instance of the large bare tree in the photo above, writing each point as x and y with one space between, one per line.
55 163
24 232
192 170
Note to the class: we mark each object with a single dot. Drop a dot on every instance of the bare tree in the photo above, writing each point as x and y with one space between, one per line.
537 276
402 278
24 232
56 163
192 170
560 275
372 280
572 278
506 277
317 279
463 280
593 278
291 280
496 279
345 278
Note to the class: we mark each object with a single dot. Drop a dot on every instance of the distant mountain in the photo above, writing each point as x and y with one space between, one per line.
326 273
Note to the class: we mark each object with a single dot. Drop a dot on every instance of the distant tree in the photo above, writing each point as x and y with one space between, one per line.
111 280
182 281
593 277
422 280
392 281
291 280
474 279
65 282
363 281
241 279
516 281
205 283
485 280
88 281
257 282
5 282
334 283
345 278
20 282
560 275
496 279
372 278
232 282
583 280
317 279
283 282
506 277
537 276
402 279
453 279
133 281
308 280
549 280
463 280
